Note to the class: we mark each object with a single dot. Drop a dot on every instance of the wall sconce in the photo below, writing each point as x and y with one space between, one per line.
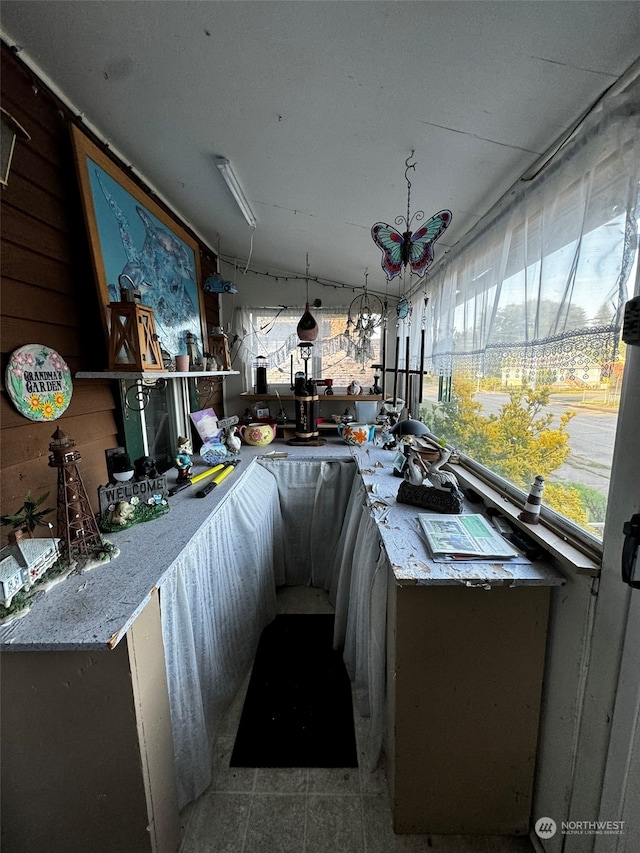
10 130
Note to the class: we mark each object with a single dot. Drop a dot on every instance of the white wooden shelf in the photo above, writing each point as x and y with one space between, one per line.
288 395
152 375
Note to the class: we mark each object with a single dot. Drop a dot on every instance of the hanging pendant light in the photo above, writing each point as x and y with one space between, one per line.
307 328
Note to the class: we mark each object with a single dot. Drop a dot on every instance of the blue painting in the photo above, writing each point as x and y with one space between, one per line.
140 247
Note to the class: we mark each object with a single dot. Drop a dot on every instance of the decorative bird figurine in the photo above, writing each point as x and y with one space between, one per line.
415 470
441 479
232 440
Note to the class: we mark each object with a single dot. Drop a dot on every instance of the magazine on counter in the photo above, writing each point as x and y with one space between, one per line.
468 536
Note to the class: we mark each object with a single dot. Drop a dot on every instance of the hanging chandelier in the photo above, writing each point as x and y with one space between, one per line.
365 315
400 250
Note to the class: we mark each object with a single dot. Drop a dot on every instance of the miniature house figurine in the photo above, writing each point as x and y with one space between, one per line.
23 562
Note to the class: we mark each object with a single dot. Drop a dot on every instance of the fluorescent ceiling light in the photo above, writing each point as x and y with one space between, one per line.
236 190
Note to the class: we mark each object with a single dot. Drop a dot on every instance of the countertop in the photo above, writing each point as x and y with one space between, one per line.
93 610
406 547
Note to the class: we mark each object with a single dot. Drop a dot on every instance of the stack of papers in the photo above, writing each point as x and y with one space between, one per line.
466 536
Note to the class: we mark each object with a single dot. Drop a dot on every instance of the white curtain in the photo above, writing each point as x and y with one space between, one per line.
537 290
245 356
214 605
287 522
360 575
339 352
313 504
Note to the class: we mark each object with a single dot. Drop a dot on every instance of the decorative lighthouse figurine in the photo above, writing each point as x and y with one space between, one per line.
531 511
77 526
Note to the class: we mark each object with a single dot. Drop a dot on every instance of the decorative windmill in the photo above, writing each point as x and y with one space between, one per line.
77 526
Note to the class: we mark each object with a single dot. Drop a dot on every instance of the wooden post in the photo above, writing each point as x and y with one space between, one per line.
407 388
421 367
395 369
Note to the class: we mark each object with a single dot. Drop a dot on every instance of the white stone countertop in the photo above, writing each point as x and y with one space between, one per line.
408 551
93 610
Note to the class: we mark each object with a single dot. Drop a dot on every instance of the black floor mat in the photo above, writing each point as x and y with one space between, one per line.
298 710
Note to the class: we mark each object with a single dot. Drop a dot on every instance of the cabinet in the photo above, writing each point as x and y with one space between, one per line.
465 647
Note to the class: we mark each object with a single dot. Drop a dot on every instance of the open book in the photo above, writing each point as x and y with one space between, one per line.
464 536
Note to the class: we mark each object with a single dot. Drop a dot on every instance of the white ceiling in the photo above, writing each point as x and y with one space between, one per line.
319 104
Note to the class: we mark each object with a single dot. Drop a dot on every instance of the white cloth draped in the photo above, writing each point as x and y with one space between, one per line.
299 523
313 502
214 605
361 572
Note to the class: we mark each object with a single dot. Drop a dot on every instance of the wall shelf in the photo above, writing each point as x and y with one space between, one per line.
288 395
139 388
152 375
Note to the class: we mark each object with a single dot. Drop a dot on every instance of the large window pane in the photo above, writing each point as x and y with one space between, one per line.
273 335
526 319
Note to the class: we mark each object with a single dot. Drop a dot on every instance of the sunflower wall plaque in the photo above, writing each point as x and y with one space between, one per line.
38 381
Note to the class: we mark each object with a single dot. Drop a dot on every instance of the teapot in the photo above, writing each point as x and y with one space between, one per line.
257 434
357 434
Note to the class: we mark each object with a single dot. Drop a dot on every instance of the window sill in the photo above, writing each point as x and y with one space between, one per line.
566 555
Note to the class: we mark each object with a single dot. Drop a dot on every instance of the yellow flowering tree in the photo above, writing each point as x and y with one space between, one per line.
518 443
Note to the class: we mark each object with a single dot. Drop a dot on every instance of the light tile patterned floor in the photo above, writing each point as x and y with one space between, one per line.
314 810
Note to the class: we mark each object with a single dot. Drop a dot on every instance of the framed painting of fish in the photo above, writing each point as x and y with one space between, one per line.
136 244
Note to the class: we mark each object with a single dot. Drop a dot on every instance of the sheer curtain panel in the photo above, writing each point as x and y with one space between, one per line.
537 291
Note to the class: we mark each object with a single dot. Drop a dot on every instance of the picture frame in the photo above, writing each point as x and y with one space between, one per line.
136 243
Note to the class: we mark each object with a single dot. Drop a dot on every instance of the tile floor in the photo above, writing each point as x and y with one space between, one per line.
300 810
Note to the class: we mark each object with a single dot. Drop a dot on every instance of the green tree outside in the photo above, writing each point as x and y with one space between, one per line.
518 443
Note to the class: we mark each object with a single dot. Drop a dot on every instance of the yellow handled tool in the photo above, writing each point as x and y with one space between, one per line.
206 473
186 483
217 479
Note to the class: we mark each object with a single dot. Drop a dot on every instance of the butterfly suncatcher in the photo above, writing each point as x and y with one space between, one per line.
407 249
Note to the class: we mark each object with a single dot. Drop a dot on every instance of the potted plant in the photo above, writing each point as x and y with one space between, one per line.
28 517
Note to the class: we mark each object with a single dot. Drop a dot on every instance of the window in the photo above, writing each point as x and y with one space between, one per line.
154 417
525 317
271 332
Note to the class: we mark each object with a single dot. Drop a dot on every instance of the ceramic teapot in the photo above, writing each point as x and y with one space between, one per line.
257 434
357 434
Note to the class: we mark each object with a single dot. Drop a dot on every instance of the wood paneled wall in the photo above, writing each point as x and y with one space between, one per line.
49 295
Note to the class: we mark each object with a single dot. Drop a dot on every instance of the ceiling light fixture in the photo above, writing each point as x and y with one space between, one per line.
236 190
